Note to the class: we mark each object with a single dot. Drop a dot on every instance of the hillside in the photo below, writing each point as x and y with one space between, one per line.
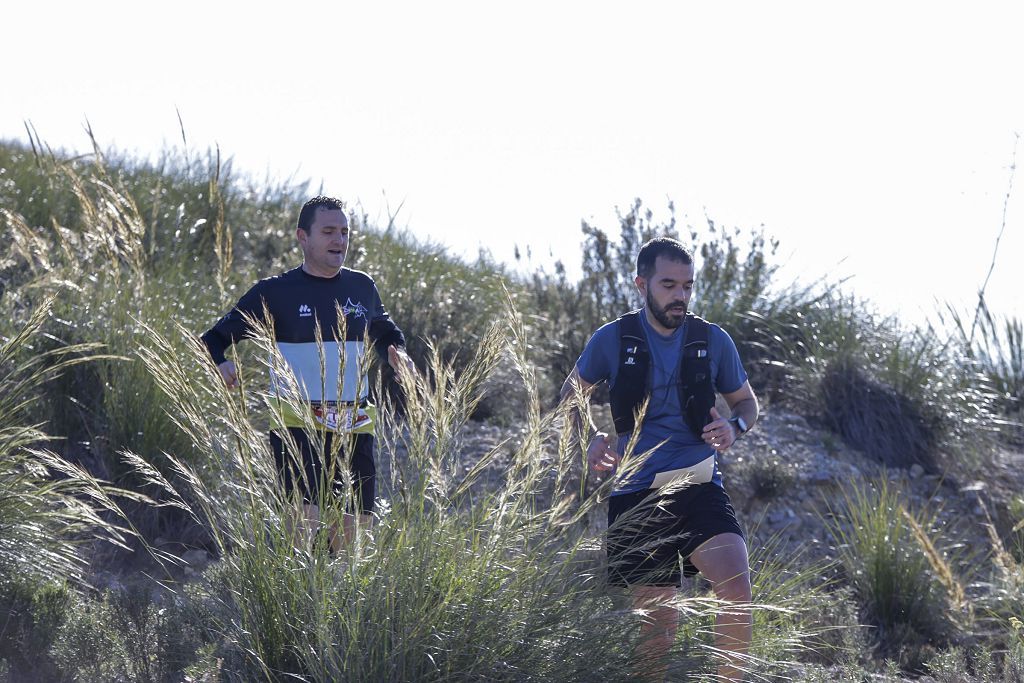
143 535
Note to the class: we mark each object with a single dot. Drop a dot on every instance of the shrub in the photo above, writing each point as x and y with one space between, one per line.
769 477
902 396
31 613
956 665
875 418
734 288
839 637
127 636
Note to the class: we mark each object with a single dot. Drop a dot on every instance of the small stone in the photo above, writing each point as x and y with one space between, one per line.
916 471
196 557
821 475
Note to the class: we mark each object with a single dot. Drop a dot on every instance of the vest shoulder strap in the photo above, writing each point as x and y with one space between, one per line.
696 391
630 387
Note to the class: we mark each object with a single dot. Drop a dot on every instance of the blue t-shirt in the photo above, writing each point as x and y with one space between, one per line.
664 419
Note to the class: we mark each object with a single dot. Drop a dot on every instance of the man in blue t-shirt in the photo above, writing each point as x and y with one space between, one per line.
676 469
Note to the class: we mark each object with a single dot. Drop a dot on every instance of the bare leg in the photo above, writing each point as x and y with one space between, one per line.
658 632
723 561
349 525
304 523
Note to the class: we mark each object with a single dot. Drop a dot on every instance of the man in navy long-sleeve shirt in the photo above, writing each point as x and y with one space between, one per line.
316 295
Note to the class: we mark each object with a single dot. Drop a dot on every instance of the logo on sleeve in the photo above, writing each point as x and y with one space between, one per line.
354 309
305 311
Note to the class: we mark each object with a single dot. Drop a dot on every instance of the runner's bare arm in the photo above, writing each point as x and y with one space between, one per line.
229 373
743 403
601 453
720 433
399 359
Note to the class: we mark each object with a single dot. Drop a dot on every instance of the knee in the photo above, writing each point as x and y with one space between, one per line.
735 589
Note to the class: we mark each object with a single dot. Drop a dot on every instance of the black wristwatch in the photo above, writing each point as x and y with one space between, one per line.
741 425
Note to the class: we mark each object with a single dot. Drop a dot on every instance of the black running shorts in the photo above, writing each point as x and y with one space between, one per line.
310 482
645 540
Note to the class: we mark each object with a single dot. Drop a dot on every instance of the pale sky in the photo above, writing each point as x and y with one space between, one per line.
873 139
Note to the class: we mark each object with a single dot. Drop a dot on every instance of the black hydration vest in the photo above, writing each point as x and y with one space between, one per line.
696 393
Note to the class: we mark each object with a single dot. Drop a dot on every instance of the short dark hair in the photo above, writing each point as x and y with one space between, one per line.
660 246
308 212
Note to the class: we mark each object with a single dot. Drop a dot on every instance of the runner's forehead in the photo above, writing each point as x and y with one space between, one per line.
329 218
671 269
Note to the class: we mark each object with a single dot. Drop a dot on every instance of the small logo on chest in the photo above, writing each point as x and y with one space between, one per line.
356 310
305 311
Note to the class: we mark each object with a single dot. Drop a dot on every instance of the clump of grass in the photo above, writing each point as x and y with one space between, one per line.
994 346
787 627
840 638
1013 662
49 508
905 586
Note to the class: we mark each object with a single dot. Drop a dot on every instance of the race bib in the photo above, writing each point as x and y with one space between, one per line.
341 418
330 416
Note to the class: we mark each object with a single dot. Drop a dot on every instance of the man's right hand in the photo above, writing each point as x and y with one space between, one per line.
229 373
601 455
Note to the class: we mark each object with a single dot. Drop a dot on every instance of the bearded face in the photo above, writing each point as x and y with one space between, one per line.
671 315
667 292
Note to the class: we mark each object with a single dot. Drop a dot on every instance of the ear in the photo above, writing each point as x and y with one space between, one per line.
301 236
641 285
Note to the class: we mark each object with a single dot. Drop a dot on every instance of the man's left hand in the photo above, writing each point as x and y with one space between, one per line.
719 433
400 361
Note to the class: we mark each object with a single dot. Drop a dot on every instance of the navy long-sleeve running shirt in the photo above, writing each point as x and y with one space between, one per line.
296 301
